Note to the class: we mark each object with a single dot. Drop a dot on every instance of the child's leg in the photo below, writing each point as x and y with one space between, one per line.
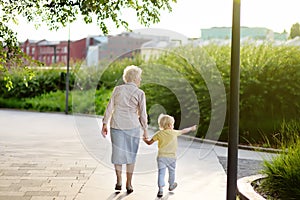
171 169
161 173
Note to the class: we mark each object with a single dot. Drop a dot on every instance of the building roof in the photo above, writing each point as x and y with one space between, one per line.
101 39
294 42
258 33
48 43
160 34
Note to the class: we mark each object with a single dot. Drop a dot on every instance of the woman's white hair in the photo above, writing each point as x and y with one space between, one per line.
131 73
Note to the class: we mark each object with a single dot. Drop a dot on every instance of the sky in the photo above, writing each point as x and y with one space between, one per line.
188 18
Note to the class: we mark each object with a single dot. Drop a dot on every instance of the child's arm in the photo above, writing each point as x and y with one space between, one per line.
149 142
189 129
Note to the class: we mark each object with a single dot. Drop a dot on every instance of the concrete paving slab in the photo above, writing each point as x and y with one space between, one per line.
65 157
196 178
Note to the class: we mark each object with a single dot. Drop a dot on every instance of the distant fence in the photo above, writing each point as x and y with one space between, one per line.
49 68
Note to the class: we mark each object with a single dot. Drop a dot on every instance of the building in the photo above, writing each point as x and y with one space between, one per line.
56 52
160 41
121 45
47 52
254 33
91 49
96 48
126 44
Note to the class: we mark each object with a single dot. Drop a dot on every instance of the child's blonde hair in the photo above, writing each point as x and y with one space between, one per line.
164 121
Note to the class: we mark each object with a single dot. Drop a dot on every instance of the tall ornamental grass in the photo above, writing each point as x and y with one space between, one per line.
283 172
269 87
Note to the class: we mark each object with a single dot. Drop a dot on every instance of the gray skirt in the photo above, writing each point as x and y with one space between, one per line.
125 144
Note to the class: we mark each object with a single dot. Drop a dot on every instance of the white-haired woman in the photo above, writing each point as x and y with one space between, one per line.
126 112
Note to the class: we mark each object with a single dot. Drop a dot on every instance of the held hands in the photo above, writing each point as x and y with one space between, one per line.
147 141
145 138
145 135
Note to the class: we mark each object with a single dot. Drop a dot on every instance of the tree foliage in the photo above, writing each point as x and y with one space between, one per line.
295 30
58 13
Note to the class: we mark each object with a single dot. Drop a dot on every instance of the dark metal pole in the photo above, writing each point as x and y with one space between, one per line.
233 139
55 53
67 75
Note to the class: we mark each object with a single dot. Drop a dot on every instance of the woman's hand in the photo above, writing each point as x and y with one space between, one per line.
145 134
104 130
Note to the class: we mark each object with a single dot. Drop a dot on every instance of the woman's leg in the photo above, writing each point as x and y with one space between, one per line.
118 169
129 172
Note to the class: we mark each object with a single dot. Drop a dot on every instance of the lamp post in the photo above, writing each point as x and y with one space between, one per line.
234 104
68 74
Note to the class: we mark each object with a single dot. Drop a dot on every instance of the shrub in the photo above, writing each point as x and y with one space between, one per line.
39 81
269 86
90 101
283 172
11 103
85 102
50 102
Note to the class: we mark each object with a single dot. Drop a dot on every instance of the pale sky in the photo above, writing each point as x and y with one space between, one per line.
188 18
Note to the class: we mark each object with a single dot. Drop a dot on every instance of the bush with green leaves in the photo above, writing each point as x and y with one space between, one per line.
30 83
90 101
269 86
84 102
49 102
283 171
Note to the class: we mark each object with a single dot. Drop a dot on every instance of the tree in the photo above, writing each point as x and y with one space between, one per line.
295 30
58 13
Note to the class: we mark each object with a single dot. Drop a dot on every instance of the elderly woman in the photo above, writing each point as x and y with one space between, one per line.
126 112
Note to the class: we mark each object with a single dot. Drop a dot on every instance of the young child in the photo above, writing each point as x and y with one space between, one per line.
167 146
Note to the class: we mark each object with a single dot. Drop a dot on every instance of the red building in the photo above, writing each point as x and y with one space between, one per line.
51 52
92 49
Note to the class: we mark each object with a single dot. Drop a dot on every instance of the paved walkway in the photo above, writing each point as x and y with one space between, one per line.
63 157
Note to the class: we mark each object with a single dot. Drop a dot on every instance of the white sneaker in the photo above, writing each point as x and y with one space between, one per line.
172 187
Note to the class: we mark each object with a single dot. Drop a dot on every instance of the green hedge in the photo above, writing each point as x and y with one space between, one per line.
269 87
34 83
283 171
84 102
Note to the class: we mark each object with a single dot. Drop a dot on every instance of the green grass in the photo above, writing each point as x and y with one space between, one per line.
283 171
269 88
84 102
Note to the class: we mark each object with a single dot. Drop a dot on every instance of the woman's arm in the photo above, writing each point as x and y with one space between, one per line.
142 111
107 114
